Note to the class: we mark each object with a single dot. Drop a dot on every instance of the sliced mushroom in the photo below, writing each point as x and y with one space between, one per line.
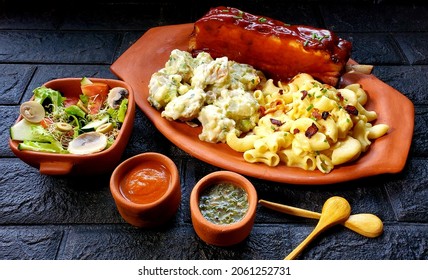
88 143
32 111
64 127
115 96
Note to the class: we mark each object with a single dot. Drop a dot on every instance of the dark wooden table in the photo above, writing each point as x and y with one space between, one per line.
46 218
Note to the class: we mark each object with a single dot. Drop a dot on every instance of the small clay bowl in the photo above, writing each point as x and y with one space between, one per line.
223 234
144 207
73 164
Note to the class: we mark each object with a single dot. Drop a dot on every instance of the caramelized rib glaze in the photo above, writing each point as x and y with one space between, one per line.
280 50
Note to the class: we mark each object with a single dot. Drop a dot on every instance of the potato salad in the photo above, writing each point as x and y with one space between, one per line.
217 93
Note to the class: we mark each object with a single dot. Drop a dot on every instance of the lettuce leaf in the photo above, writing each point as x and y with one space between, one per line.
47 97
53 147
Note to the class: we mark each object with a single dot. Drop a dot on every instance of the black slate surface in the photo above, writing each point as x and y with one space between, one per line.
46 218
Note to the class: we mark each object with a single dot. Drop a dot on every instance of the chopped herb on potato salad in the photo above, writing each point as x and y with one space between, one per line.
216 92
52 123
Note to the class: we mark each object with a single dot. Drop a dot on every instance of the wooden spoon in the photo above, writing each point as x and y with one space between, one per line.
366 224
335 210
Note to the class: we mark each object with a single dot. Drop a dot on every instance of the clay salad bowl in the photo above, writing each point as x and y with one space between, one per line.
48 132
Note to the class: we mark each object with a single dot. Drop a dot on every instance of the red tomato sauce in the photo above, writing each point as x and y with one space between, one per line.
145 183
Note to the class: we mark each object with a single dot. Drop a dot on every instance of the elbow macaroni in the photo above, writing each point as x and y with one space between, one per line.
309 125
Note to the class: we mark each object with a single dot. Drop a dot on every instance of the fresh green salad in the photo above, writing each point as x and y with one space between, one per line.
55 124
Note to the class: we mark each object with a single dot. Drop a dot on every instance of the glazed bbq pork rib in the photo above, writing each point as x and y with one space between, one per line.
280 50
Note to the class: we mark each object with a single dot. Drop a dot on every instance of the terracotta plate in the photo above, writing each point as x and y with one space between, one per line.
387 154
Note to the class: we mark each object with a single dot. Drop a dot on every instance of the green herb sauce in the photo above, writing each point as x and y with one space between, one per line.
223 203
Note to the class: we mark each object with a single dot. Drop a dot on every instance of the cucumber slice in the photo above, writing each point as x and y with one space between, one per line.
24 130
95 124
85 81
